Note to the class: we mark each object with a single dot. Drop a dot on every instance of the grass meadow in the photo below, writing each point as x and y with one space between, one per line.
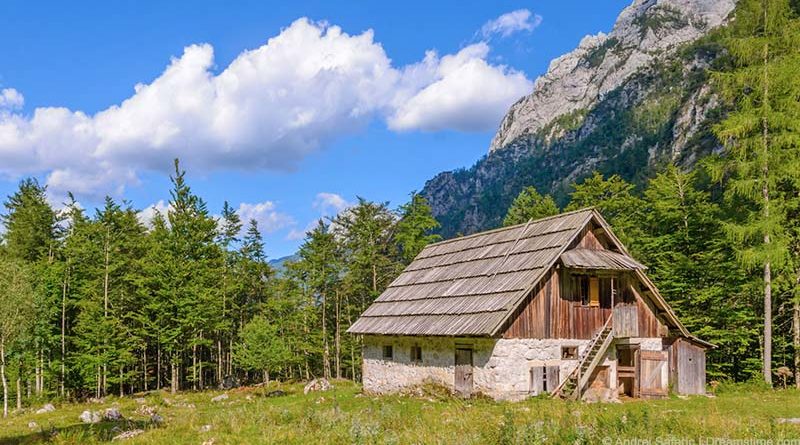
344 415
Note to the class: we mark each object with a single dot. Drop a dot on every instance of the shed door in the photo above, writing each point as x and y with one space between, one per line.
652 374
463 374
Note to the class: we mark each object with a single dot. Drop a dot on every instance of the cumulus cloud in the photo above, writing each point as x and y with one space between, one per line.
462 91
147 214
267 110
510 23
330 204
265 213
11 99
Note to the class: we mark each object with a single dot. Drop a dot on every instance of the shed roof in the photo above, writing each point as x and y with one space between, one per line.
599 259
469 286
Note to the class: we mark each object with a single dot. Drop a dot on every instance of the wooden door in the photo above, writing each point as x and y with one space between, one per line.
652 380
626 320
463 372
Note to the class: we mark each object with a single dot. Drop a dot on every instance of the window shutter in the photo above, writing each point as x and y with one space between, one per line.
536 380
594 291
552 378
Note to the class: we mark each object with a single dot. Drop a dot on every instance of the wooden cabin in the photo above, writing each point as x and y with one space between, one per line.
556 305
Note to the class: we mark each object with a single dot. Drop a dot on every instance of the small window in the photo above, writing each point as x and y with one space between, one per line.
569 352
581 287
416 354
388 354
544 379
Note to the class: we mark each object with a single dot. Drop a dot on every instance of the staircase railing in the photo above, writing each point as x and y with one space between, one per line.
587 355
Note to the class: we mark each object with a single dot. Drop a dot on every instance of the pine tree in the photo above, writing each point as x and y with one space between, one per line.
528 205
761 138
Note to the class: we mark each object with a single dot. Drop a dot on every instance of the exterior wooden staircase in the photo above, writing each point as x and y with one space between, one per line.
572 386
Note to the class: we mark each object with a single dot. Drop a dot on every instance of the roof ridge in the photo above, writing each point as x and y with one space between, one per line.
516 226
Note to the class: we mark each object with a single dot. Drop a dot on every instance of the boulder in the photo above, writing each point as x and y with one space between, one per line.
46 409
127 434
320 384
156 419
276 393
32 425
205 428
90 417
112 414
220 398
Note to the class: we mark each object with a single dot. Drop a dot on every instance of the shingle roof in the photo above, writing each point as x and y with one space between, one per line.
599 259
469 286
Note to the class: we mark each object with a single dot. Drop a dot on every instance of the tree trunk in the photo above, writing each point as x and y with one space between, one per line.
63 328
200 366
158 365
767 324
105 305
144 367
337 341
3 377
766 197
19 393
326 362
219 362
122 381
266 377
194 366
796 339
174 380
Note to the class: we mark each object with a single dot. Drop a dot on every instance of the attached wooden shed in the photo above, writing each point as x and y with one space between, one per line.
687 366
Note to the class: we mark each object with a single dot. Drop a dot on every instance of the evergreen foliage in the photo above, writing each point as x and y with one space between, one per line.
528 205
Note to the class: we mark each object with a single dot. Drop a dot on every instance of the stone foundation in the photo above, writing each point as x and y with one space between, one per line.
501 367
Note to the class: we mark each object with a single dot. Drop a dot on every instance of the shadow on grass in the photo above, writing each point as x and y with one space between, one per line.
79 432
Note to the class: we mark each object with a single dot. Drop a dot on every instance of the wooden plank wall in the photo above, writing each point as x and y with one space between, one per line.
553 310
568 318
688 363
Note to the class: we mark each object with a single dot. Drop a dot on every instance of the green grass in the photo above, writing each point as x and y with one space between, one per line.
344 415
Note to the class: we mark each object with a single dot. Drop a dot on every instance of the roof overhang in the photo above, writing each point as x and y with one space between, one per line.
580 258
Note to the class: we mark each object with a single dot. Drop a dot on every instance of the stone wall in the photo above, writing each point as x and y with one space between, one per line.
501 367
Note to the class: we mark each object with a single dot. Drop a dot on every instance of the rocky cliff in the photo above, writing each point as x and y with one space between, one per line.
645 31
619 103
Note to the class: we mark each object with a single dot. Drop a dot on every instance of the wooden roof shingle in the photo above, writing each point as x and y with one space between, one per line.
469 286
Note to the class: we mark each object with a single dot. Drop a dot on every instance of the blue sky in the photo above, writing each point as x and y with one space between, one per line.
294 129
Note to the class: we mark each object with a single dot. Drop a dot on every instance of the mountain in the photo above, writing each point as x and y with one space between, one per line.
621 103
279 264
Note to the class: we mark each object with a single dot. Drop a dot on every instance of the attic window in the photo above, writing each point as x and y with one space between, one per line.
416 354
388 354
581 287
591 290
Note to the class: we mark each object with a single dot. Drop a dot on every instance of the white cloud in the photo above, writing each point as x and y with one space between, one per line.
461 91
511 22
330 204
147 214
265 213
11 99
267 110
